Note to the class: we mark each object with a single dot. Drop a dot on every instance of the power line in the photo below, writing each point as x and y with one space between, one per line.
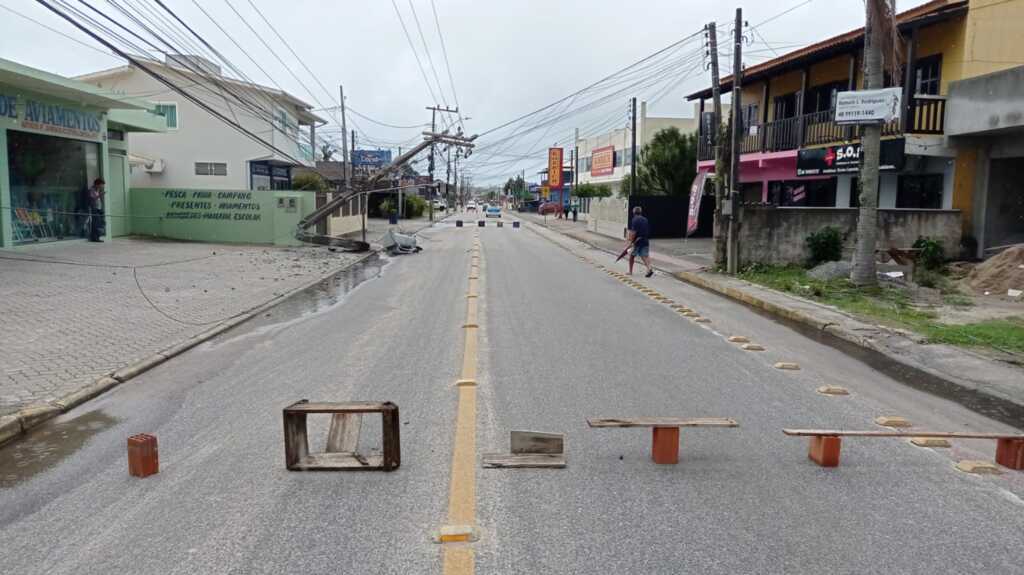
447 64
426 50
415 53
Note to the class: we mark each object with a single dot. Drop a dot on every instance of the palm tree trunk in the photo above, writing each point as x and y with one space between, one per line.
864 273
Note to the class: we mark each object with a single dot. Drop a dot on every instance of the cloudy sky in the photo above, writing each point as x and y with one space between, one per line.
507 58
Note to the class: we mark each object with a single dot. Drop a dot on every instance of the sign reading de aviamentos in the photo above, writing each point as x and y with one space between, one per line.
868 106
53 118
602 161
555 168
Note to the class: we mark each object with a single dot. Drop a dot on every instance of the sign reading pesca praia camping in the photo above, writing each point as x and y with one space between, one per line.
696 191
555 168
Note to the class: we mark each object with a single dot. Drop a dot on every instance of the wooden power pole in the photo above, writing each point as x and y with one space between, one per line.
719 232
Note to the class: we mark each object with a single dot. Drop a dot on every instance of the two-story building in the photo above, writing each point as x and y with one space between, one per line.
200 151
795 155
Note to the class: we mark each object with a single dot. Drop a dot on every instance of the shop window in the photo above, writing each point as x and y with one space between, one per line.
169 111
211 169
919 191
49 177
927 75
749 117
803 193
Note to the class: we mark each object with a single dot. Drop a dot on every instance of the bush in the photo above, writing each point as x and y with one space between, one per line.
387 207
825 245
415 206
589 190
932 255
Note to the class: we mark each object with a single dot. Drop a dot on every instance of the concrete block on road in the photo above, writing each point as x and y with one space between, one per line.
753 347
738 339
892 421
930 442
979 467
832 390
787 365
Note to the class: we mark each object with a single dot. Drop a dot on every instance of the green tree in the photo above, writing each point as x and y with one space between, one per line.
667 165
309 181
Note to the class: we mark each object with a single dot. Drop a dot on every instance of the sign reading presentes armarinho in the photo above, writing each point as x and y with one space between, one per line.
602 161
555 168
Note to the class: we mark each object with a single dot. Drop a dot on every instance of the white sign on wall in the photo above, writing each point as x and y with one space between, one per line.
868 106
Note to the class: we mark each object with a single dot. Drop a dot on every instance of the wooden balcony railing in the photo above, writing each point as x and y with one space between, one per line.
926 115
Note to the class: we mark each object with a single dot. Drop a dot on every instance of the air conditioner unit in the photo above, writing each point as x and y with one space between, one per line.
154 167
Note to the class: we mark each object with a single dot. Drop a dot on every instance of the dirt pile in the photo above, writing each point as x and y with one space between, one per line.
999 273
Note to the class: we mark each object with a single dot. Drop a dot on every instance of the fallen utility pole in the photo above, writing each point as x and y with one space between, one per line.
732 247
430 138
719 232
430 166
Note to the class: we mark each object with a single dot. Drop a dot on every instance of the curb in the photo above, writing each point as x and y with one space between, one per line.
21 421
1010 409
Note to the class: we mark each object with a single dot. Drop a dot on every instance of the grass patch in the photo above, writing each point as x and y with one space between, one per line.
891 306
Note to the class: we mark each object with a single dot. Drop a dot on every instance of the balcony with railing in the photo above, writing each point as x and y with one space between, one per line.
925 116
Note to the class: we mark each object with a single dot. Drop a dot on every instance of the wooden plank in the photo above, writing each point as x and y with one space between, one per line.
663 422
523 460
873 433
537 442
339 461
328 407
343 435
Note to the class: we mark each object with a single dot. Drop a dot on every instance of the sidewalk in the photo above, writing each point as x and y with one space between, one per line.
75 312
671 255
991 387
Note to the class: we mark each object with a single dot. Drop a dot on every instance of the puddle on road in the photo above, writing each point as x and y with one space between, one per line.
314 300
47 445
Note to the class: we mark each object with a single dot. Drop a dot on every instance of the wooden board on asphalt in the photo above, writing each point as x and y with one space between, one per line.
663 422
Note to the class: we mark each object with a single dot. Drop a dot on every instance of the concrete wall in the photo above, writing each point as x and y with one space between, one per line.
986 104
778 235
608 216
228 216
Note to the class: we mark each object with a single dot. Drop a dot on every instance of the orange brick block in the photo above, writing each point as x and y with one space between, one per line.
143 455
825 450
665 449
1010 453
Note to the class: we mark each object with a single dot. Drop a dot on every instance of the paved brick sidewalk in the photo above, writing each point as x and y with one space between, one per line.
72 311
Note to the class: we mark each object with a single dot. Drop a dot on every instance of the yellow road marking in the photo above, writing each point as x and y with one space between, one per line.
458 558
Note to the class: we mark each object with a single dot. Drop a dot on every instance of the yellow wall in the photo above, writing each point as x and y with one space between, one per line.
946 38
993 37
835 70
963 186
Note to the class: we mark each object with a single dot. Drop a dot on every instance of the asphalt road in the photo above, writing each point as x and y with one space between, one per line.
560 341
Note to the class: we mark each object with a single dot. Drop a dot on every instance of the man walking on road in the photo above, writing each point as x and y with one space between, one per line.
639 235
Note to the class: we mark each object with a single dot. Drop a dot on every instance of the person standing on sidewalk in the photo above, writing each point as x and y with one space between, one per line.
96 197
639 238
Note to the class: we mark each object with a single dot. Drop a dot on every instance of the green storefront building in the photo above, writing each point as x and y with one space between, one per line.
57 136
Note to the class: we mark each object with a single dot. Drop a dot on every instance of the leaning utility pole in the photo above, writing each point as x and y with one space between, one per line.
632 161
719 232
346 163
732 259
433 128
863 272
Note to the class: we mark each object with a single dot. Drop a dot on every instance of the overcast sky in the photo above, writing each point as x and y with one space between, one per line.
507 57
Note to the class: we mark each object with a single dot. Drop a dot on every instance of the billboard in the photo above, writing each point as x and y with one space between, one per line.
372 158
602 161
555 168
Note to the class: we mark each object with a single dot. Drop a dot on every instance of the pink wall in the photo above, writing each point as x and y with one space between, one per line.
764 168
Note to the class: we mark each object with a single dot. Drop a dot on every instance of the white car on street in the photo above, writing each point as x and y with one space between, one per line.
471 207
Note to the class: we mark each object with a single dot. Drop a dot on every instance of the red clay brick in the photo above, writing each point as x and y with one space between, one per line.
825 450
665 449
143 455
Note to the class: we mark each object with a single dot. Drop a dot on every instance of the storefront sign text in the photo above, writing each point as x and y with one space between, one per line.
61 120
868 106
845 159
602 161
208 205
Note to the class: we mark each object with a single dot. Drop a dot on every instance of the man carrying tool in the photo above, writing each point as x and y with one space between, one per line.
639 236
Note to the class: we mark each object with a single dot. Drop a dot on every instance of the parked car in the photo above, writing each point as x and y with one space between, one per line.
440 205
550 208
492 212
471 207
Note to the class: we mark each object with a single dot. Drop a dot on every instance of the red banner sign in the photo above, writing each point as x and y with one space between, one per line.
696 191
602 161
555 168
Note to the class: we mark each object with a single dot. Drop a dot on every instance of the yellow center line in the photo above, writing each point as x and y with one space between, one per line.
458 558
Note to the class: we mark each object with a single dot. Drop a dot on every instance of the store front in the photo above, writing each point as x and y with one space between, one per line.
53 145
269 176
